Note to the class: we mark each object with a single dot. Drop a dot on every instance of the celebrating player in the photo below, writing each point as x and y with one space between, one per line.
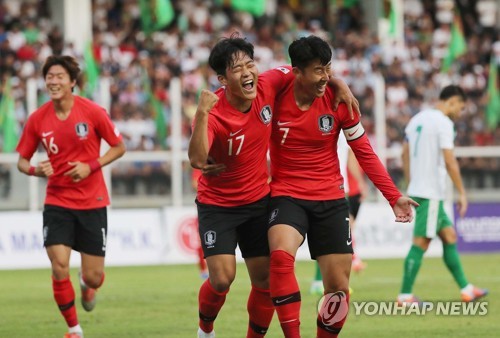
70 129
427 157
307 188
233 127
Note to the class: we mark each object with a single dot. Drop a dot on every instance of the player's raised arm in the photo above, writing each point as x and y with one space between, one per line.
198 145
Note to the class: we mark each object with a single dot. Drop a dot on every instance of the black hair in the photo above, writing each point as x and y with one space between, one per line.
222 56
307 49
67 62
450 91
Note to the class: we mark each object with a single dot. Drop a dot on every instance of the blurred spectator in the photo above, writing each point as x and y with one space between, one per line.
125 54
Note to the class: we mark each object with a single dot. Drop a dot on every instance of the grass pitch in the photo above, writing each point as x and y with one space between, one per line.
161 301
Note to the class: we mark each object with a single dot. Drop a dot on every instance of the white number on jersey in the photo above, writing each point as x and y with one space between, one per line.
241 138
51 147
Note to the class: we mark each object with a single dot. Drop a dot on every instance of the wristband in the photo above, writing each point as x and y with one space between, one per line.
94 165
31 171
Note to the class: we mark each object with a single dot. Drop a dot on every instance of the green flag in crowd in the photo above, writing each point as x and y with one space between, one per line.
158 111
155 14
8 123
457 46
393 20
91 71
493 106
254 7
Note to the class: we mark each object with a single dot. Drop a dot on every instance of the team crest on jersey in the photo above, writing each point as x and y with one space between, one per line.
82 129
210 237
325 123
266 114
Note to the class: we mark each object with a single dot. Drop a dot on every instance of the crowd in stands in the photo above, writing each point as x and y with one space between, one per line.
412 71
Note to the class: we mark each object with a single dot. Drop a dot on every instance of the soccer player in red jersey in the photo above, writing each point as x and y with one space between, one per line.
307 189
231 133
70 129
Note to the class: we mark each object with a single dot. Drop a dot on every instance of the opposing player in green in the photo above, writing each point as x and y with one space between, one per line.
427 158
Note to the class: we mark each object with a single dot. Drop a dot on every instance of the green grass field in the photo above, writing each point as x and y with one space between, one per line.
161 301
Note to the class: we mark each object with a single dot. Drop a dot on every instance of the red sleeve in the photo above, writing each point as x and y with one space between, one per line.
278 78
369 161
29 140
106 128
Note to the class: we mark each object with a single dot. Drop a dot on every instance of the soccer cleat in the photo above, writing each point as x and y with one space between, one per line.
475 294
409 301
358 265
88 295
317 288
203 334
74 335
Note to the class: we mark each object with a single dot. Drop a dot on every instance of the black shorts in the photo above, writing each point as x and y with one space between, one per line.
354 204
221 228
83 230
326 223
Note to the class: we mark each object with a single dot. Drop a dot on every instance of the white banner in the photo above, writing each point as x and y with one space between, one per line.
170 236
377 235
134 237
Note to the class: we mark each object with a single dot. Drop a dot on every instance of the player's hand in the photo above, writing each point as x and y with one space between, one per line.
343 94
462 205
206 102
402 209
44 168
212 168
79 171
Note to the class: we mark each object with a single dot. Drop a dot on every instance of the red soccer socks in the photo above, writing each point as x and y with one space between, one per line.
209 304
64 294
260 310
285 292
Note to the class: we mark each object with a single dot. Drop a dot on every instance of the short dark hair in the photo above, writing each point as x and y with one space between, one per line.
450 91
307 49
67 62
222 55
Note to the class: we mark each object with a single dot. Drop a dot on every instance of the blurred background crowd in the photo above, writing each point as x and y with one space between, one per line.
123 49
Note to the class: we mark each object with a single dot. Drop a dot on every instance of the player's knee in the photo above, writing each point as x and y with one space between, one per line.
93 279
221 283
60 269
450 237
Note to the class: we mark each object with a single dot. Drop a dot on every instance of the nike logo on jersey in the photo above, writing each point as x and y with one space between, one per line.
283 123
349 242
47 133
236 132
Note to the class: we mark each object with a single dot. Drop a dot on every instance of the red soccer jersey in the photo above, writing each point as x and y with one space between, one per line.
78 138
241 141
304 160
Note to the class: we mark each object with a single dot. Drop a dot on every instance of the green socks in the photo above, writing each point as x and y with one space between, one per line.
452 261
413 262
